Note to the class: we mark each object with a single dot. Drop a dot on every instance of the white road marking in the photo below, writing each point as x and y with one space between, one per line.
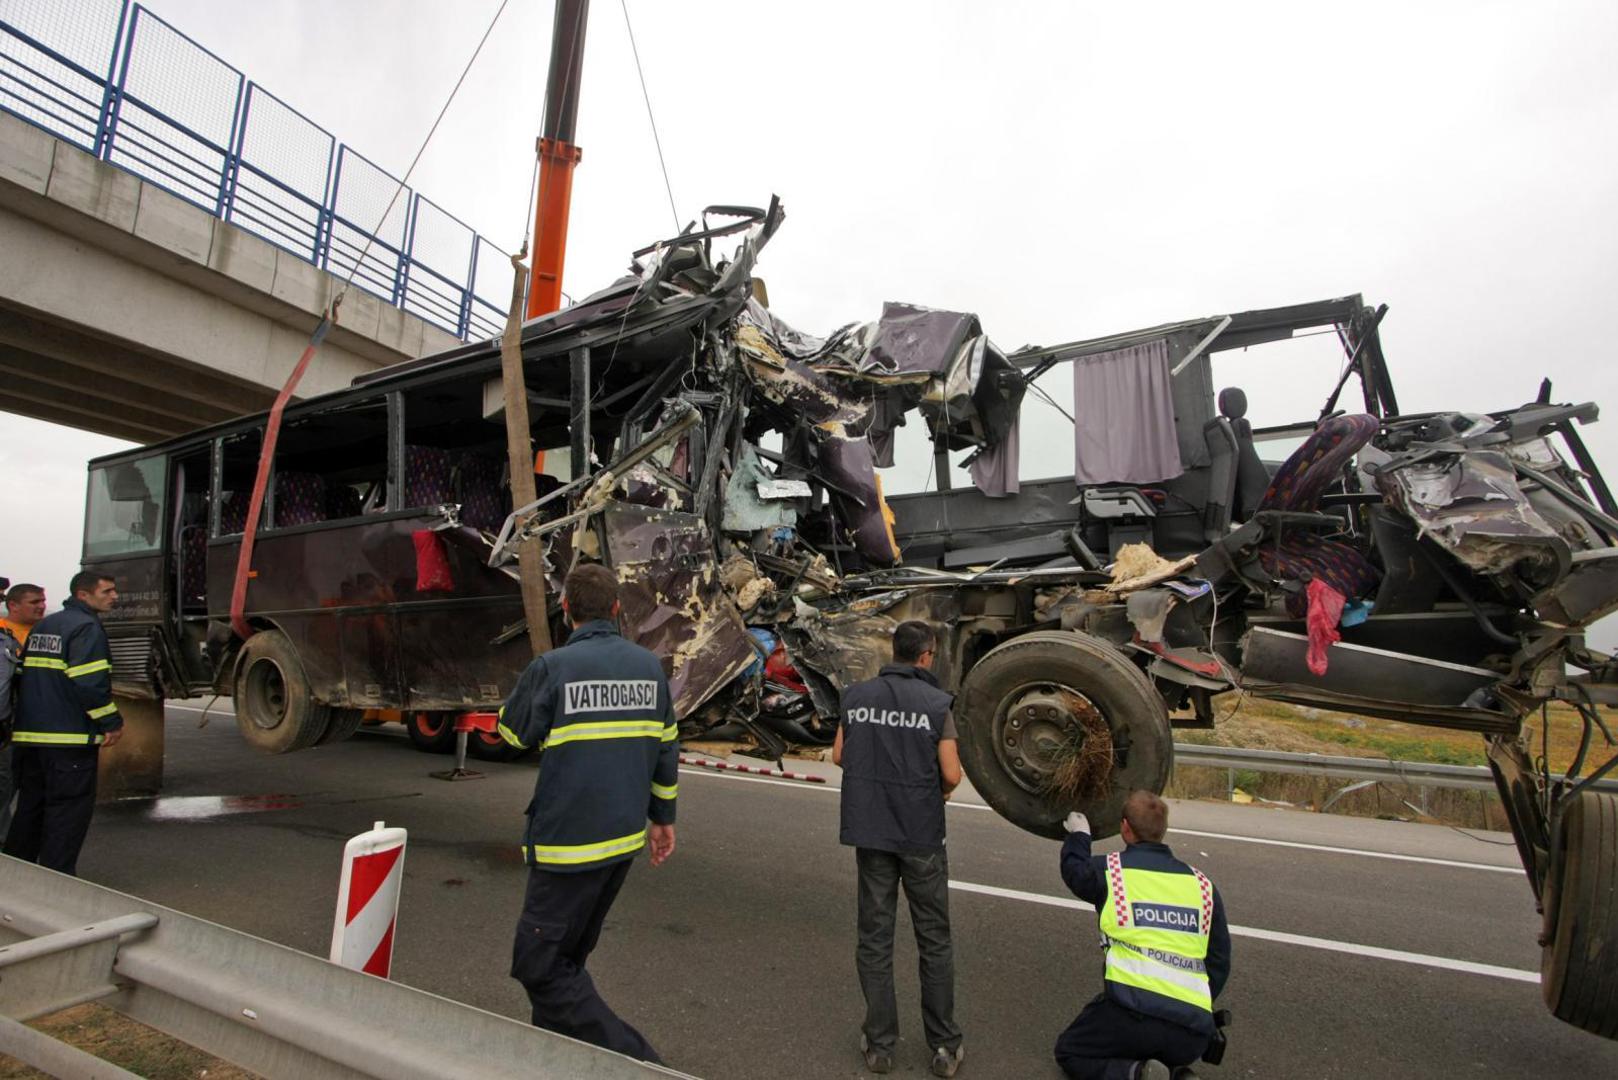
1183 832
1350 851
1375 952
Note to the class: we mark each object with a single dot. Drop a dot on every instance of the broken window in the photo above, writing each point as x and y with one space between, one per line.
332 465
124 515
238 468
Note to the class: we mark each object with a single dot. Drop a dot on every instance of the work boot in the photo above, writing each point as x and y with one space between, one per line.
946 1061
1151 1070
878 1061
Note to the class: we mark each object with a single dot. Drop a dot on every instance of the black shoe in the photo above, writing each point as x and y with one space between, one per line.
878 1061
945 1061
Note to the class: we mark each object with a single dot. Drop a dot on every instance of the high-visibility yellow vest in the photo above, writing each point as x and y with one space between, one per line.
1155 928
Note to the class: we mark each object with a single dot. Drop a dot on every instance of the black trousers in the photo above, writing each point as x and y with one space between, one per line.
56 795
1106 1040
560 925
926 883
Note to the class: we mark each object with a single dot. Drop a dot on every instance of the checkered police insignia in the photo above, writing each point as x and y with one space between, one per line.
1207 900
1115 882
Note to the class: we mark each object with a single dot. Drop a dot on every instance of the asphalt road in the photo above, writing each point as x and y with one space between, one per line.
1362 948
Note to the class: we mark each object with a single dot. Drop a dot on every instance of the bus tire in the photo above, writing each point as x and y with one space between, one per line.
275 710
487 746
431 732
342 725
1579 962
1028 697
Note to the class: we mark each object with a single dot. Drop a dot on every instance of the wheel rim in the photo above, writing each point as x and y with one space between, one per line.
266 687
1034 728
429 725
488 739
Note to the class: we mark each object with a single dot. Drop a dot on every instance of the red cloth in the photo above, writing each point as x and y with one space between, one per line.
1325 612
778 669
432 562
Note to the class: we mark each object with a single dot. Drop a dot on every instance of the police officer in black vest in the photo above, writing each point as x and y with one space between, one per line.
897 746
600 709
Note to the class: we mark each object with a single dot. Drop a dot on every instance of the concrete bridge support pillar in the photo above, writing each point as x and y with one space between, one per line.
135 765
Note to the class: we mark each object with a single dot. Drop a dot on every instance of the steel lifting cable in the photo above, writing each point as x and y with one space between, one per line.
646 95
272 426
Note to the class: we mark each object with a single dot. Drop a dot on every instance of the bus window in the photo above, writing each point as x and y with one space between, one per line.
332 465
238 468
124 515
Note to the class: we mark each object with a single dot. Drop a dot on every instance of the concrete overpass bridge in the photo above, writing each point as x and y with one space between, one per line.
165 252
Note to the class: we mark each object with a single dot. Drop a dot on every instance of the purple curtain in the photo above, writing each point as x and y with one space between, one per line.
994 471
1123 412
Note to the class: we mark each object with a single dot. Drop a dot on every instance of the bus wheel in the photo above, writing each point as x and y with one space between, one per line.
1579 964
342 725
487 746
431 732
1031 709
274 708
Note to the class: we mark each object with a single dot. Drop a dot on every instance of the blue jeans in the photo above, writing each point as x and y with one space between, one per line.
926 885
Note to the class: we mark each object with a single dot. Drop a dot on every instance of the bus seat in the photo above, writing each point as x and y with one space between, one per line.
300 498
428 480
1252 478
193 565
484 503
232 512
1222 470
343 501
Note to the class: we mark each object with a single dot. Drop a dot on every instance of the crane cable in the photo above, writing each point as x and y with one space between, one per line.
646 95
272 425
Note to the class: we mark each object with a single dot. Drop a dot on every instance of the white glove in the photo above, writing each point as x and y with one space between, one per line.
1076 822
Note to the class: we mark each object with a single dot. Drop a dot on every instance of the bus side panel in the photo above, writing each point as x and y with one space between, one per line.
134 625
448 631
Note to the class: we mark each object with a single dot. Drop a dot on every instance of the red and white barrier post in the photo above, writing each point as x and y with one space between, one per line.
368 901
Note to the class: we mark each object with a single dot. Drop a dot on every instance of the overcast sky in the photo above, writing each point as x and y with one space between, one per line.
1063 170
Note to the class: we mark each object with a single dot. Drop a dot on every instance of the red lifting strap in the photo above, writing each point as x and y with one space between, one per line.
266 455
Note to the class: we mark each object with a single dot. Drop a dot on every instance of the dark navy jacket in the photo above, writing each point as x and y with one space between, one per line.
64 691
893 798
600 708
1086 875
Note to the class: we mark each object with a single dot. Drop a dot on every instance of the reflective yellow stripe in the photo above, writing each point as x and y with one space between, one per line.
54 738
89 669
671 733
663 792
509 735
46 662
572 854
108 709
605 729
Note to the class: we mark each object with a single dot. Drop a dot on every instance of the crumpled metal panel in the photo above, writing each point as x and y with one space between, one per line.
1471 505
672 597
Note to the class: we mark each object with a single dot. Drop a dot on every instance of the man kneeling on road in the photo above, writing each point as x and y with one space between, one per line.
1167 952
600 709
897 746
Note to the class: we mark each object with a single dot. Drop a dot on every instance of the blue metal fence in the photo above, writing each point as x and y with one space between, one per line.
115 79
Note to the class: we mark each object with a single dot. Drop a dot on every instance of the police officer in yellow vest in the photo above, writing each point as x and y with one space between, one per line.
601 710
1167 952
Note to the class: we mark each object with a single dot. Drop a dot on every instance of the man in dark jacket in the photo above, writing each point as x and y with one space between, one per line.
64 715
896 743
25 606
600 709
1167 952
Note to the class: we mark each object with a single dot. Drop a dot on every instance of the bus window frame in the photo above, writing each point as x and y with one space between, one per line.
161 549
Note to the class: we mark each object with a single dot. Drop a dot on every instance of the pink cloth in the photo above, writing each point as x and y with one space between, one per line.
1325 611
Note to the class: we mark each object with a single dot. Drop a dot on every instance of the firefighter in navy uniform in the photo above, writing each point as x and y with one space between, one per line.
600 709
897 745
64 716
1167 952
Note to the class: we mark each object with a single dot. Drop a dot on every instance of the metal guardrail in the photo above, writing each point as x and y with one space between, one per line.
113 78
265 1007
1414 773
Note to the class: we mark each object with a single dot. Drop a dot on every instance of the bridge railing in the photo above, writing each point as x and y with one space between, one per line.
113 78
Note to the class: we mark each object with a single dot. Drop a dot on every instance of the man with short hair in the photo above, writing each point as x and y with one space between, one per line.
65 714
1167 952
897 745
25 606
600 709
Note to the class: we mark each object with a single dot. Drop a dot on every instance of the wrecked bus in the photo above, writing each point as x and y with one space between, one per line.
1436 568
